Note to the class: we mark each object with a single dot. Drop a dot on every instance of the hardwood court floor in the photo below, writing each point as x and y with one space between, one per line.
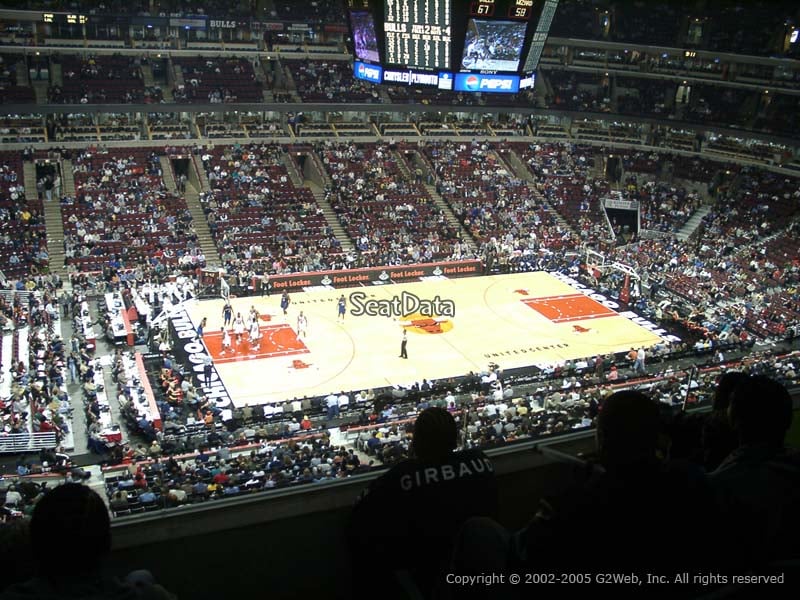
512 320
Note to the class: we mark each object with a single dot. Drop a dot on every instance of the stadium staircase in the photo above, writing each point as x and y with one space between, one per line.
291 86
177 74
40 90
612 92
693 223
21 69
330 216
261 77
147 75
502 159
516 165
316 179
385 97
197 179
421 164
54 225
56 75
40 85
291 169
200 223
546 88
167 175
465 235
200 172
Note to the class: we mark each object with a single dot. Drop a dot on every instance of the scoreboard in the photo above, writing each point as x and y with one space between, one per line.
417 33
466 45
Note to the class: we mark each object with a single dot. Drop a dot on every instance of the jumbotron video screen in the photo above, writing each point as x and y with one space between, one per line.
461 45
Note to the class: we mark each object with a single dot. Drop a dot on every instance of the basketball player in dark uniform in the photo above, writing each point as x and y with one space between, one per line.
285 301
342 306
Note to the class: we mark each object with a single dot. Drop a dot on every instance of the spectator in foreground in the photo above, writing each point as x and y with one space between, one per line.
758 484
633 500
404 524
15 551
718 437
654 516
70 536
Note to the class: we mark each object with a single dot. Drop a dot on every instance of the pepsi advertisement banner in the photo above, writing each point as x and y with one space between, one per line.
475 82
372 73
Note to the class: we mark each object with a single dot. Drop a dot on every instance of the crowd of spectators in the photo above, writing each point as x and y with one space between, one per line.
748 28
747 279
780 116
567 180
573 90
217 81
168 481
102 80
23 241
664 208
643 96
316 11
118 79
384 208
494 205
330 81
728 106
34 383
256 215
656 24
141 222
269 446
747 216
14 88
644 466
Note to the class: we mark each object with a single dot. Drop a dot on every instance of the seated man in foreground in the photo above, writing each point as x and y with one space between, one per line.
406 520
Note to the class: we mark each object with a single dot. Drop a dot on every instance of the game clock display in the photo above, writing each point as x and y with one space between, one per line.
516 9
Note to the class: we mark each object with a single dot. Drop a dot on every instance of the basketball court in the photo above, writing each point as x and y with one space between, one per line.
512 320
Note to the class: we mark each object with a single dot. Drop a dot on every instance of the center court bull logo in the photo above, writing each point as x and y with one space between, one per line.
418 323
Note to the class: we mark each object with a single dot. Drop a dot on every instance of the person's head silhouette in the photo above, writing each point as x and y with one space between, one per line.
435 434
74 513
627 430
760 411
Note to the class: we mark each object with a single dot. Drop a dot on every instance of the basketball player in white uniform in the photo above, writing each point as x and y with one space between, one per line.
255 335
302 325
226 341
238 327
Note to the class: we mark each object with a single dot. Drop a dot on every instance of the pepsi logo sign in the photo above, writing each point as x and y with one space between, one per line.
368 72
478 82
495 84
